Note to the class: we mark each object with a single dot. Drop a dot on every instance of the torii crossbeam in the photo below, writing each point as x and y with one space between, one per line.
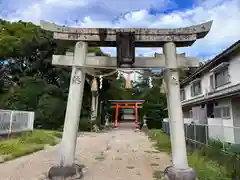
144 37
126 39
93 61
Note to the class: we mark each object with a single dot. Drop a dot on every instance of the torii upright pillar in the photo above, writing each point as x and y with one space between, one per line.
180 169
67 167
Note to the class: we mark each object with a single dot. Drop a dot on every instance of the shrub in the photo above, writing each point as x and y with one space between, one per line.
84 125
229 159
154 123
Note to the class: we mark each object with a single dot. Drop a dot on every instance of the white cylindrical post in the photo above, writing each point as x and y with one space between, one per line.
178 143
93 108
96 106
74 105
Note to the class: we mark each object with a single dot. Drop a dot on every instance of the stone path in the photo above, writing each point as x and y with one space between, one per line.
117 155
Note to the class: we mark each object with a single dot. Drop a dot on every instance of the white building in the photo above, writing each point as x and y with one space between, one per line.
211 95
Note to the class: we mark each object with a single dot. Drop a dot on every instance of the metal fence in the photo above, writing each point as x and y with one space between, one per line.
204 134
15 121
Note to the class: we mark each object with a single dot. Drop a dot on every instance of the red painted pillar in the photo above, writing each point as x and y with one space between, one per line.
116 117
136 116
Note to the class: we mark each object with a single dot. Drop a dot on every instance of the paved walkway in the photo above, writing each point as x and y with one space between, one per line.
117 155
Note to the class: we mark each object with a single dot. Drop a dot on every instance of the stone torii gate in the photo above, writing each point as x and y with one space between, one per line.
125 39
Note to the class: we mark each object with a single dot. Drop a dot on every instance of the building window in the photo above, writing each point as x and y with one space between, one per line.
196 88
226 112
217 112
220 78
222 112
182 94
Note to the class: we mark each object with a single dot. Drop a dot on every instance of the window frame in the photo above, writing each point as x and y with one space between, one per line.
193 84
224 74
224 68
221 109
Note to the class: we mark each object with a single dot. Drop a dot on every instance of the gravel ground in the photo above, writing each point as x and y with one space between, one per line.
116 155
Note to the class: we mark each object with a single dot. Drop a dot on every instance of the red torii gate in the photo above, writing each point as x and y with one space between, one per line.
126 104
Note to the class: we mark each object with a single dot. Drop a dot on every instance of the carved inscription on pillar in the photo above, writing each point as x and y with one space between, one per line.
76 79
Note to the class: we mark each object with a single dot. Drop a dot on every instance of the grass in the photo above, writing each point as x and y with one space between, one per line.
27 142
206 168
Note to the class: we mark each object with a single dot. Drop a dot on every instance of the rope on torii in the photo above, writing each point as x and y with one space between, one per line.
128 84
150 77
94 82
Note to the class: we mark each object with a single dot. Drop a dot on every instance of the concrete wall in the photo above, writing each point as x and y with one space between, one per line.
221 129
234 67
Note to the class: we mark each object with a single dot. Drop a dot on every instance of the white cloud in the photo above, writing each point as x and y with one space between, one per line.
66 3
32 13
135 13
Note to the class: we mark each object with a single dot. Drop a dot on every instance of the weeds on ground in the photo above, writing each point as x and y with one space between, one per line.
27 142
206 168
229 159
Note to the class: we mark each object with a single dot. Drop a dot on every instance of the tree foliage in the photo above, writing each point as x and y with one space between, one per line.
155 102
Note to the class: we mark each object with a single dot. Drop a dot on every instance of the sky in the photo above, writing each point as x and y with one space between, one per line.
137 13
